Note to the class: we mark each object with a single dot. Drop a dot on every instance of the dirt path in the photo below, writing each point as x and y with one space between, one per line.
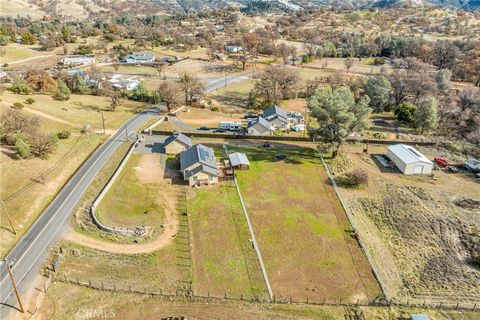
167 235
149 170
48 116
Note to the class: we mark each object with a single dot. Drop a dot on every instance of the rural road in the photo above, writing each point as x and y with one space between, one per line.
30 252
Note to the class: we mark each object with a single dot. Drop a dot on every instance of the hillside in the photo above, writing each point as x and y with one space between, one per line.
79 9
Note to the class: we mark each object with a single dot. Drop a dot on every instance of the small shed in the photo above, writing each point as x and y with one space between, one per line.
239 161
409 160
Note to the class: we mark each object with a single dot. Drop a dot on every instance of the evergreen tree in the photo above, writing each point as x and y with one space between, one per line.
22 149
427 115
63 93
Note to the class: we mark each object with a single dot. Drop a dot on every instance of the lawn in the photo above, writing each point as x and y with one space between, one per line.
224 260
198 117
301 228
133 199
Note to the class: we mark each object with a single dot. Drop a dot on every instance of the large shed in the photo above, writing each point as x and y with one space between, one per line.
409 160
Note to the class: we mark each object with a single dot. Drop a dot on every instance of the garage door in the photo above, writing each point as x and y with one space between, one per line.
418 169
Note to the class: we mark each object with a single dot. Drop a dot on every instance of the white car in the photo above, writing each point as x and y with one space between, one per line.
472 165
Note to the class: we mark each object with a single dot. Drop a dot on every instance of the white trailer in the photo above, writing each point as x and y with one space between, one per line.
230 125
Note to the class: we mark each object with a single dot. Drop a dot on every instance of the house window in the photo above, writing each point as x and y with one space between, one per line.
210 178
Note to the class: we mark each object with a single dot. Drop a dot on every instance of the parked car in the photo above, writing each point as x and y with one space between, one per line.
472 165
441 162
204 128
452 169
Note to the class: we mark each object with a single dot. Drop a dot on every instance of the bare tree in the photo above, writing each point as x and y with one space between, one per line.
348 62
169 92
191 86
276 83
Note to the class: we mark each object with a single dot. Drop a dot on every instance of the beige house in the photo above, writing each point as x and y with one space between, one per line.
176 143
199 165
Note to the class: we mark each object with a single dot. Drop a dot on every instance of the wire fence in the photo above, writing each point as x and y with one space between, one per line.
226 297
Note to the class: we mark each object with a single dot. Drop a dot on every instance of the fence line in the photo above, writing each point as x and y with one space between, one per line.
252 234
229 297
349 215
289 138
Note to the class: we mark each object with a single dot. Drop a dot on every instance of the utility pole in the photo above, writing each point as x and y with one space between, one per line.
8 217
103 122
225 78
9 269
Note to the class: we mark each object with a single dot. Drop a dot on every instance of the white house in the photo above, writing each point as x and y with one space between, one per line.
77 60
124 84
260 126
139 57
409 160
233 49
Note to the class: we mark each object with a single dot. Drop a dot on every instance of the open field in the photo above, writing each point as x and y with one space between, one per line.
203 117
78 111
40 179
422 243
233 96
15 52
154 271
302 229
224 260
134 198
131 70
57 305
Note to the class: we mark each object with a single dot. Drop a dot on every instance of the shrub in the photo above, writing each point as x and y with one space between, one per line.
357 177
22 149
214 108
42 145
378 61
5 65
18 105
63 135
30 101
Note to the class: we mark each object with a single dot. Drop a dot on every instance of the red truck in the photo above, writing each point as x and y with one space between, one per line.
441 162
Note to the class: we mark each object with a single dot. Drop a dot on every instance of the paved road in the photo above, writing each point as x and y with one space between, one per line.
30 252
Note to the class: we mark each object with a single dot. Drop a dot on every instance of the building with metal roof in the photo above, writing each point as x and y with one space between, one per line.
260 126
139 57
409 160
239 160
177 143
419 317
199 165
277 117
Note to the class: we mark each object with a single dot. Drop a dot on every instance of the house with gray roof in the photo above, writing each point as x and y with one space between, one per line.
177 143
139 57
199 165
277 117
260 126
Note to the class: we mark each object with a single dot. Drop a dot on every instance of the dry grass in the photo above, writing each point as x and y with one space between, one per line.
421 242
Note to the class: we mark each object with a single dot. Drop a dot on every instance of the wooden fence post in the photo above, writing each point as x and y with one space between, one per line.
474 306
114 287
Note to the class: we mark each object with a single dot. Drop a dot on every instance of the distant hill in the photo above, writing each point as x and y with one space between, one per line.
84 8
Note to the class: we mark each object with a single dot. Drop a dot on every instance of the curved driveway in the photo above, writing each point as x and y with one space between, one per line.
30 252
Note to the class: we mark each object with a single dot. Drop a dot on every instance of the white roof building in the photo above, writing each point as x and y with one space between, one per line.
409 160
238 159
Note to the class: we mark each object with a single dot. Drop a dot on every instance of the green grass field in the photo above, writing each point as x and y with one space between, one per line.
131 202
131 69
224 260
301 228
235 95
15 52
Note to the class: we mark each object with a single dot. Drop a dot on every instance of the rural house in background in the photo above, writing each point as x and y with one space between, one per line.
259 126
176 143
277 117
233 49
77 60
409 160
199 165
139 57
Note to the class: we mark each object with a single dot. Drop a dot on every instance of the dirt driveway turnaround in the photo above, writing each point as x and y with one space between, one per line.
150 169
